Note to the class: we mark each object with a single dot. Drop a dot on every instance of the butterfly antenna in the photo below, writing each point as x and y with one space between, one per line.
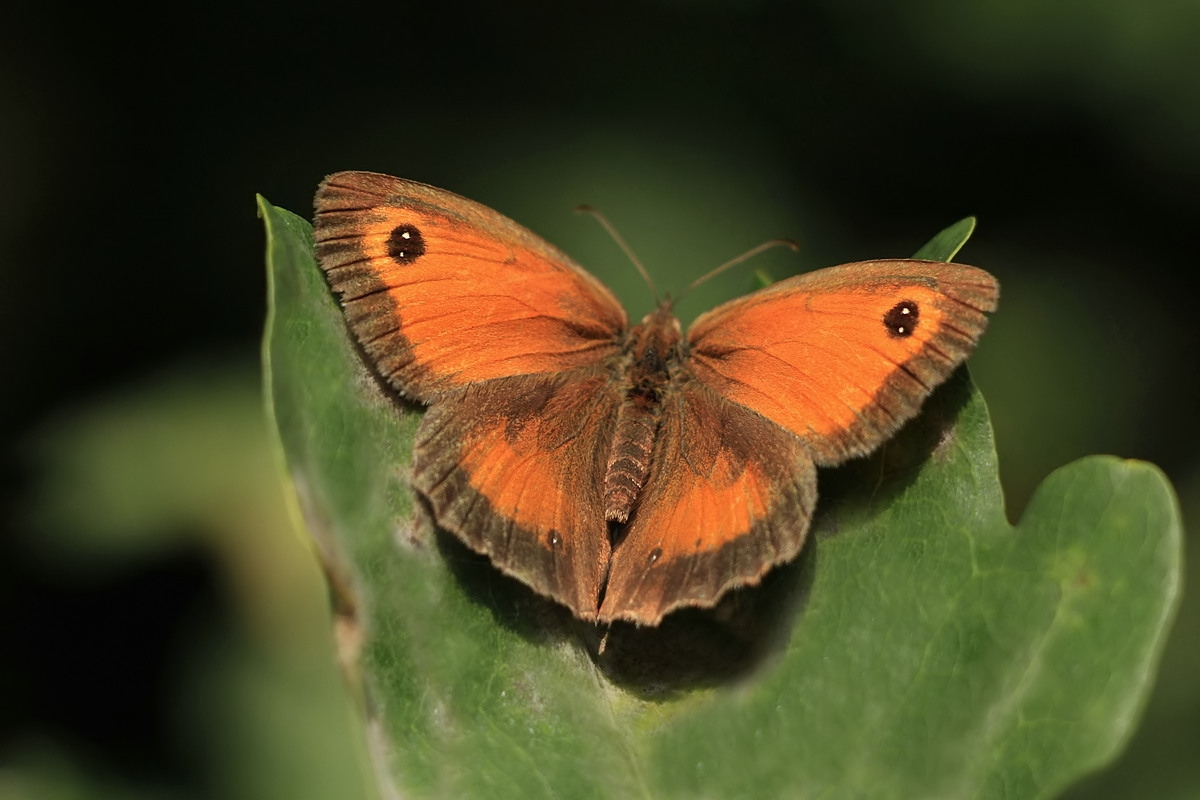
637 262
746 256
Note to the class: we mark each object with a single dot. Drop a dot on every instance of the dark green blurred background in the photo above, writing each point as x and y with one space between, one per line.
164 633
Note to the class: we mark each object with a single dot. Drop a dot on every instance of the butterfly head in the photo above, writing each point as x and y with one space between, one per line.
657 341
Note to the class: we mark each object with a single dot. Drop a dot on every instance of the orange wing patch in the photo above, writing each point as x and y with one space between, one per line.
514 467
441 291
843 358
729 496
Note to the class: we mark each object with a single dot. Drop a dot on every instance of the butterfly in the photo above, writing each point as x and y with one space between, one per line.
627 472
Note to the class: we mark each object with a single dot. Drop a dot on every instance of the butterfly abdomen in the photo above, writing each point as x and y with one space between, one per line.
629 459
651 347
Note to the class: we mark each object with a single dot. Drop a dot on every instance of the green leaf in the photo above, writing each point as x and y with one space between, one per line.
920 646
945 245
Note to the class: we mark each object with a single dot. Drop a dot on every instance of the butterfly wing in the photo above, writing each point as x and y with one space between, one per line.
441 291
515 466
842 357
815 369
509 341
728 496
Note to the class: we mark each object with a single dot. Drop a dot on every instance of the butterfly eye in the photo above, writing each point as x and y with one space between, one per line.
901 320
405 244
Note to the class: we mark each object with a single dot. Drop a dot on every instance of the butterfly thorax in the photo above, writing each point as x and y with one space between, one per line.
651 348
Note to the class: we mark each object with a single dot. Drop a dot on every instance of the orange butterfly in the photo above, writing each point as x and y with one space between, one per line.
625 472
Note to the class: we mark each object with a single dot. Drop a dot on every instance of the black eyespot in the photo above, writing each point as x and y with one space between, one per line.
901 321
655 555
406 244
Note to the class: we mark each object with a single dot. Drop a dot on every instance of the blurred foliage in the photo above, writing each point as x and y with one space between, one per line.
132 250
254 704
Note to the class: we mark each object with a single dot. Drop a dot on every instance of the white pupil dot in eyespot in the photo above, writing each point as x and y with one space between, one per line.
407 235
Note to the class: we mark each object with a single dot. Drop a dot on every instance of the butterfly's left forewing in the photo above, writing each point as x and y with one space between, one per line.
441 291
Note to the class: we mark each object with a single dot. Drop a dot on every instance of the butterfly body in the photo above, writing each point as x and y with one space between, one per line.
654 349
627 472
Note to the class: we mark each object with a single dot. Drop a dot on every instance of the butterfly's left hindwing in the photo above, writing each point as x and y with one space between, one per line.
514 467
